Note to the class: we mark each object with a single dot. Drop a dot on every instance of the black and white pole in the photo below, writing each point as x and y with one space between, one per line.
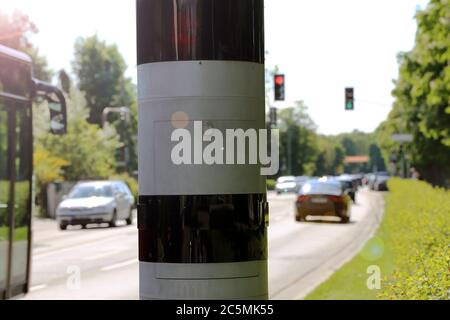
202 228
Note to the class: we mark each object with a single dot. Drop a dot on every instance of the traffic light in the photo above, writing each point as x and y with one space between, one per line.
349 99
279 87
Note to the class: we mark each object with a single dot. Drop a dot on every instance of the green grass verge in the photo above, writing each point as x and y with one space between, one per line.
19 233
411 250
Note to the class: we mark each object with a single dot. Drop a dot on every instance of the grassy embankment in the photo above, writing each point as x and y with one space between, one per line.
411 250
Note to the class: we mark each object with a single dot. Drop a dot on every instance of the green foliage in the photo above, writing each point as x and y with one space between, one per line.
64 81
331 157
22 197
100 69
318 155
334 149
298 141
88 149
422 96
47 168
418 221
376 158
415 260
359 143
270 184
15 31
20 234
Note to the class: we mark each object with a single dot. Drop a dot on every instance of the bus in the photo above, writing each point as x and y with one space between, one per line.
18 91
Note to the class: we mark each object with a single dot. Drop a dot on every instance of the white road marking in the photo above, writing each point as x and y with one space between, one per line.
38 287
69 247
103 255
119 265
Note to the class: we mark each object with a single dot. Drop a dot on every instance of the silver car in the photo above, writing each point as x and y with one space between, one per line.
286 184
96 202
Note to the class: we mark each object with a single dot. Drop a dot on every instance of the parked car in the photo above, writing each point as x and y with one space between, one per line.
300 181
367 179
379 176
380 183
96 202
349 186
286 184
322 198
357 179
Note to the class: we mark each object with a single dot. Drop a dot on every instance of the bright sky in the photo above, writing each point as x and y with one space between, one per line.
322 46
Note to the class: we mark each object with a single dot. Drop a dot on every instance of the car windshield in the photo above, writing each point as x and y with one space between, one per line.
322 188
87 191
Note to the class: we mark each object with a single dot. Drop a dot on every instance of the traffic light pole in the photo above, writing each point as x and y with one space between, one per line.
202 228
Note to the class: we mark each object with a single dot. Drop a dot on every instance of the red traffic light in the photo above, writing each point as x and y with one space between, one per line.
279 80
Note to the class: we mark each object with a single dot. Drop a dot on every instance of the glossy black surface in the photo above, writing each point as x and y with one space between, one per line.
179 30
15 194
202 229
15 77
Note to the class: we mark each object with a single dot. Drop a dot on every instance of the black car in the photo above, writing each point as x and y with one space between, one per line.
349 186
380 183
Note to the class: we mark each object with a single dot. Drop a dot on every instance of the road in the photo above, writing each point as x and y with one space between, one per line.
101 263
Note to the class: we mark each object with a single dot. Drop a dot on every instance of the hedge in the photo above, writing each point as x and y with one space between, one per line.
411 249
417 232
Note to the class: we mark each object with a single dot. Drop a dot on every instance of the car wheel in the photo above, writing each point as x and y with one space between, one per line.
345 219
300 219
83 226
113 222
129 220
62 226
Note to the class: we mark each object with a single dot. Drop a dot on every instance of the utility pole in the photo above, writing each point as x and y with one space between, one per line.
202 228
290 149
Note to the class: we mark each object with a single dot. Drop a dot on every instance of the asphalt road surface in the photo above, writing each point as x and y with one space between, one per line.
101 263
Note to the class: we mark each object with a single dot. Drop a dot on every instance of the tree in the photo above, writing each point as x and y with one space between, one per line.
15 31
376 159
349 146
100 69
47 169
87 149
64 81
331 156
298 141
422 94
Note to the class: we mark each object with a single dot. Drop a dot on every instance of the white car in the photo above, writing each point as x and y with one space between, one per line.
96 202
286 184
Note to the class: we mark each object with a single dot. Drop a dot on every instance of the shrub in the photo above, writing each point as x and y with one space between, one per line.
417 232
270 184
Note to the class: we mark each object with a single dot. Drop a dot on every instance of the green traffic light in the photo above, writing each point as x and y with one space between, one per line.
349 106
